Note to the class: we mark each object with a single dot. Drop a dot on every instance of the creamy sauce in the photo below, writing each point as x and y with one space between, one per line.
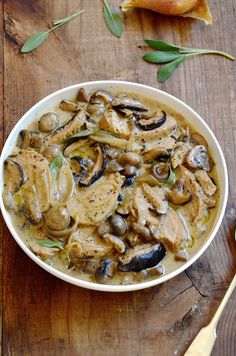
29 233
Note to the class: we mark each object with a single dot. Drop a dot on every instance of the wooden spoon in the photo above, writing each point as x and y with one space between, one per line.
203 343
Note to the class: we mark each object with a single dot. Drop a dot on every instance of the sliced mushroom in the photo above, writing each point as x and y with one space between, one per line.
104 228
118 225
181 255
79 168
117 243
152 123
151 136
179 193
130 158
161 171
68 105
28 139
14 176
82 96
95 109
198 139
150 272
70 128
113 166
30 206
98 168
142 258
57 218
63 233
48 122
73 148
105 272
198 157
125 102
101 95
141 230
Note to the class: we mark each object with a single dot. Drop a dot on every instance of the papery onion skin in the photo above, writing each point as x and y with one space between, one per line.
197 9
165 7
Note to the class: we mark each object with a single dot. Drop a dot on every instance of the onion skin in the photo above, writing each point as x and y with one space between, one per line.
197 9
165 7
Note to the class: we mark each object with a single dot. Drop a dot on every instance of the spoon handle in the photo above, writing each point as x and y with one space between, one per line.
222 305
203 343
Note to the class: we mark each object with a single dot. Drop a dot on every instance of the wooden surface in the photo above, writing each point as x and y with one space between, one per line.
42 315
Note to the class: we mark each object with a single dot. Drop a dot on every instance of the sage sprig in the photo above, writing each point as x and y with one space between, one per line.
112 20
172 56
56 244
55 165
38 38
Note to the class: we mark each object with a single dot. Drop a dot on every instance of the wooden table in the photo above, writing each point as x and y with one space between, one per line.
42 315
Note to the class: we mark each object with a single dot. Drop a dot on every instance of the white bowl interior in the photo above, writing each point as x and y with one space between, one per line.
154 94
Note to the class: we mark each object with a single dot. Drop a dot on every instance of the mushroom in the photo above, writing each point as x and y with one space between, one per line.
181 255
113 166
95 109
198 139
198 157
79 168
152 123
48 122
104 228
14 176
68 105
125 102
142 259
179 193
118 225
57 218
130 158
106 271
161 171
117 243
82 96
129 171
29 138
101 95
51 152
141 230
30 206
98 168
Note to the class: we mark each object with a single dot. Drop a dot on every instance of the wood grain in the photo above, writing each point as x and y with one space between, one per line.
45 316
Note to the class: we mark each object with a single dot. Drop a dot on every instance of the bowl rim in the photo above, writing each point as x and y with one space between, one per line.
108 287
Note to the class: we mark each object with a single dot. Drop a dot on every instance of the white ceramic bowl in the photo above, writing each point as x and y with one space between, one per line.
190 115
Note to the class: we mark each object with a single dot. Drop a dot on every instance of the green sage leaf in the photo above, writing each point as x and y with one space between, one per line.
51 244
161 57
112 20
168 69
67 19
171 178
34 41
162 45
56 165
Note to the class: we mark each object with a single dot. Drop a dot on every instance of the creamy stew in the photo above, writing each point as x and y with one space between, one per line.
110 187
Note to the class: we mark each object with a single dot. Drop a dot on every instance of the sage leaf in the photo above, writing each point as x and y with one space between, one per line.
38 38
171 178
56 165
51 244
67 19
168 69
112 20
161 45
160 57
34 41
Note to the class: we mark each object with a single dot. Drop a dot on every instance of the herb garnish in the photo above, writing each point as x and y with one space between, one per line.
173 56
56 165
171 178
56 244
38 38
112 20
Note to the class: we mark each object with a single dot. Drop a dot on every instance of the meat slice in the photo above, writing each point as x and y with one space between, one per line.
180 154
170 230
92 204
111 122
156 148
205 182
